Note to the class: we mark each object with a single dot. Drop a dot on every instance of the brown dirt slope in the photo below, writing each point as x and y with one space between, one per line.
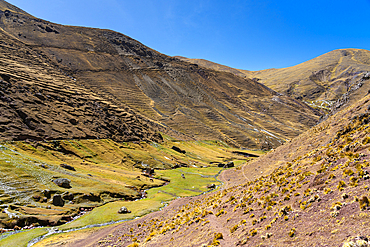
319 81
197 102
312 191
40 102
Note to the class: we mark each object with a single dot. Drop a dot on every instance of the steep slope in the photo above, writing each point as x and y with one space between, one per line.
313 191
196 102
320 81
40 102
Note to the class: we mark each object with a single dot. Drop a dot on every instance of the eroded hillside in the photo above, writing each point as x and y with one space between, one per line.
197 103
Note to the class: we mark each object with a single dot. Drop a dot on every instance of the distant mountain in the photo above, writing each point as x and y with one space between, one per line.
175 97
320 81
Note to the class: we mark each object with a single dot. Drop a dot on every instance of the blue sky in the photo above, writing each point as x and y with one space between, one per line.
251 35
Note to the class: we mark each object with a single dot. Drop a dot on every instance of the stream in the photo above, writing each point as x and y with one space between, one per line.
55 230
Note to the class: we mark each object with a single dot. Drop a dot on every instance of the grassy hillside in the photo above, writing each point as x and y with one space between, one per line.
103 171
311 191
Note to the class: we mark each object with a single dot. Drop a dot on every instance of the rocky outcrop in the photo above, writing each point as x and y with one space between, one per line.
63 182
58 201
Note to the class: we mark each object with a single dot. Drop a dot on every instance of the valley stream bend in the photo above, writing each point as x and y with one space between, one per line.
55 230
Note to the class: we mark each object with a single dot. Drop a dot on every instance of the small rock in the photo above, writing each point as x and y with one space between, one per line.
36 197
63 182
58 200
124 210
68 167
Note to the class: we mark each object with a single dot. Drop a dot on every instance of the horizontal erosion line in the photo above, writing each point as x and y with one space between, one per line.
83 50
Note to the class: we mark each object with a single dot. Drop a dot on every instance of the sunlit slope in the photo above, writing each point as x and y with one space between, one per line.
38 101
99 171
196 103
319 82
311 191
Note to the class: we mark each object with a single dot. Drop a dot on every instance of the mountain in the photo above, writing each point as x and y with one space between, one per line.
177 98
319 82
40 102
311 191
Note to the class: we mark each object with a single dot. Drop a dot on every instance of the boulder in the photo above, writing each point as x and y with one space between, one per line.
63 182
177 149
148 172
47 193
67 196
220 165
58 200
211 186
124 210
229 164
68 167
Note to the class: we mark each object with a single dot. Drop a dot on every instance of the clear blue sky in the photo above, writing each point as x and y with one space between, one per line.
247 34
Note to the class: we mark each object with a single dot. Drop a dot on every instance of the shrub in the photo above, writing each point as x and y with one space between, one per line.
253 232
364 202
341 185
327 191
348 172
353 181
234 228
218 236
291 233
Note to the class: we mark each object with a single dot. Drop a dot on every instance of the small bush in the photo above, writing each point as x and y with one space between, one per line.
341 185
234 228
364 202
253 232
291 233
347 172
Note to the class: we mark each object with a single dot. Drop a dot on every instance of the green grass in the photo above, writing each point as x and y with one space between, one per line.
113 167
22 239
193 184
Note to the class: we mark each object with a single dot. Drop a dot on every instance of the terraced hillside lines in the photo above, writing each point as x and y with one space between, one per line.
181 99
311 191
38 101
322 79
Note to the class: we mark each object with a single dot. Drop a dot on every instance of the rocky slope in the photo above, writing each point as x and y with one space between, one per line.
319 82
312 191
195 102
40 102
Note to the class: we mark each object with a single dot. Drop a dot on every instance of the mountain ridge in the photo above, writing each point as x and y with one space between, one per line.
188 101
318 81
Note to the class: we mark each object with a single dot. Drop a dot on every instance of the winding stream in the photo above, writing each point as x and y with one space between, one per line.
55 230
